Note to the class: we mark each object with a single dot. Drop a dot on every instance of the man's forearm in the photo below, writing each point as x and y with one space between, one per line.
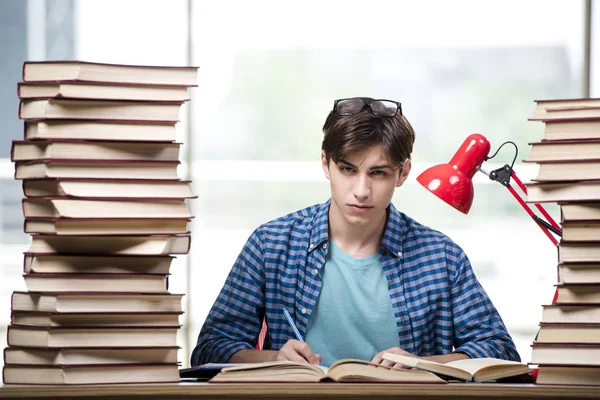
447 357
252 356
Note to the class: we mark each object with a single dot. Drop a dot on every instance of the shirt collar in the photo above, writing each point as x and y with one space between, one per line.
393 237
319 231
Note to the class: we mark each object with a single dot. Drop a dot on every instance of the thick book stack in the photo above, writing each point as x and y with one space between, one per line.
567 347
106 209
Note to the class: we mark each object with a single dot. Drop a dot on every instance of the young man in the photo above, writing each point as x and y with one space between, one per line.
358 276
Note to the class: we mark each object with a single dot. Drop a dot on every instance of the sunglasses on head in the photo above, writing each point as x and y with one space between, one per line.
356 105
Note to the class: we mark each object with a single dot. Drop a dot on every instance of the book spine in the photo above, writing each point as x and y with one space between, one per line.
24 266
12 150
25 131
20 113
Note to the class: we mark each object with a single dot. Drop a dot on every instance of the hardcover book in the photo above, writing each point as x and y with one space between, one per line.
108 188
85 356
472 369
99 110
49 208
90 374
34 71
93 150
142 245
101 91
96 169
347 370
99 130
77 302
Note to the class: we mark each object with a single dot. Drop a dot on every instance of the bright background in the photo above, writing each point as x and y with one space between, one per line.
269 72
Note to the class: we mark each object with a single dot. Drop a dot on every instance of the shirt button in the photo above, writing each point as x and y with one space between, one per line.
399 254
311 247
303 311
316 271
325 246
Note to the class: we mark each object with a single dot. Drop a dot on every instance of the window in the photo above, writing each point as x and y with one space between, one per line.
269 73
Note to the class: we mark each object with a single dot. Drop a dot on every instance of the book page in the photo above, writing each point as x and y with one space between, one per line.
473 365
274 365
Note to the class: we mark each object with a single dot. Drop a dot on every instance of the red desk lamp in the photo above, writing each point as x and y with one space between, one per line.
453 182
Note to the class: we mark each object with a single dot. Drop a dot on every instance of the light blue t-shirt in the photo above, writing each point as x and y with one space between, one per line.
353 317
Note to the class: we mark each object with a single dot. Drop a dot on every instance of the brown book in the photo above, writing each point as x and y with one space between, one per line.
59 337
155 245
99 130
470 370
114 208
572 130
579 273
34 71
569 333
563 192
566 109
96 169
84 356
99 110
578 253
96 283
117 226
581 231
93 150
580 212
568 171
571 313
90 374
567 375
564 150
61 264
95 319
101 91
108 188
566 354
347 370
578 293
95 302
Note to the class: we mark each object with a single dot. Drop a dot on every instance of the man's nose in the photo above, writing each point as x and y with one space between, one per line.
362 188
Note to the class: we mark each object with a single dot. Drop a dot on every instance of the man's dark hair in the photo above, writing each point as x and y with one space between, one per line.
348 134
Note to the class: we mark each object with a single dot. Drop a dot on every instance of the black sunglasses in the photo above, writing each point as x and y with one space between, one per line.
356 105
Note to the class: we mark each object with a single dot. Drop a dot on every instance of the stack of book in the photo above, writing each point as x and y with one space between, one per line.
567 347
106 209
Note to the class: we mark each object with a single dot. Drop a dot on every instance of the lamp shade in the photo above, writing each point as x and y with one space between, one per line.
453 182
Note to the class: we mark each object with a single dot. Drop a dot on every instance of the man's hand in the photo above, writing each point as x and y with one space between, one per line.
395 350
294 350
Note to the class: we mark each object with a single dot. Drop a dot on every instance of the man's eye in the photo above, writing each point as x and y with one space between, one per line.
347 169
378 173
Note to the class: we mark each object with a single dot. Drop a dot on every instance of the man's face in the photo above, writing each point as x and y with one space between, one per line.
362 184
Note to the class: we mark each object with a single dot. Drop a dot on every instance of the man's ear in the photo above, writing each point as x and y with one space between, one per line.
325 165
404 173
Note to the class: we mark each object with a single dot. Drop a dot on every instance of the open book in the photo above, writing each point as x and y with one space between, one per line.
472 369
347 370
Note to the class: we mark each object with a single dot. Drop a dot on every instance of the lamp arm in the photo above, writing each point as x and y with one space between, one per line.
537 205
503 176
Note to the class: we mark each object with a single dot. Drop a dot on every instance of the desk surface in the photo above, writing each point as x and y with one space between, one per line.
189 390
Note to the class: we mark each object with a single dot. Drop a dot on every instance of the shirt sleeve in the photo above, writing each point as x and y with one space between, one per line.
235 319
479 329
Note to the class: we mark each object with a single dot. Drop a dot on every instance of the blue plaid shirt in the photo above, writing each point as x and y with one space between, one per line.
438 303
